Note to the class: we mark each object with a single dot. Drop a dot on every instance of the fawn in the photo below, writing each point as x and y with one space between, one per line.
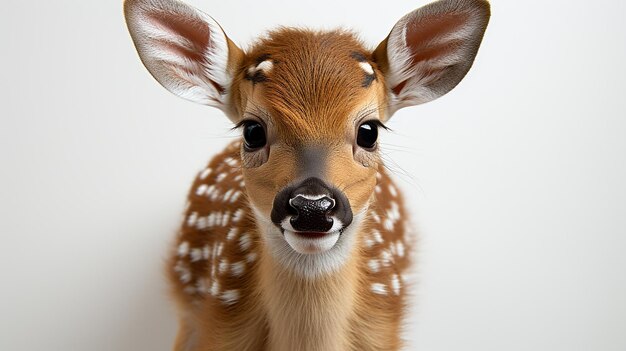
294 237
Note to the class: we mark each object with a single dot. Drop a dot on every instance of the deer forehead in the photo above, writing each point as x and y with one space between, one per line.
310 82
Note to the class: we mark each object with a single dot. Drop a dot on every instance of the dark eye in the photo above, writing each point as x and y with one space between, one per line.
367 135
254 135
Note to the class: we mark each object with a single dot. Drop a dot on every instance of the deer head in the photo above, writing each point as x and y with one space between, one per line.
310 105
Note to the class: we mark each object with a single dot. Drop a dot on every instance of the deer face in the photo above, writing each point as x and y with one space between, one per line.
309 105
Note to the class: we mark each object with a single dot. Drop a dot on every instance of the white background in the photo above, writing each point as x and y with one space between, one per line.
515 179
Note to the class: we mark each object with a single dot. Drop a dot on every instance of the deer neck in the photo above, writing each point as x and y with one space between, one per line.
308 313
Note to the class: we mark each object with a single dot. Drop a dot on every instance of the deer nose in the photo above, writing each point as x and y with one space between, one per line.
312 206
312 212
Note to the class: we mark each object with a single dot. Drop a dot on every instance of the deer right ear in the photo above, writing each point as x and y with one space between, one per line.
185 50
430 50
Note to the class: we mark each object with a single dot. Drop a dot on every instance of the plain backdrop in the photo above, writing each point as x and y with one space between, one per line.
515 179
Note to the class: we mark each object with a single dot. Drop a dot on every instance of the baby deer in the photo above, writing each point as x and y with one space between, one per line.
294 237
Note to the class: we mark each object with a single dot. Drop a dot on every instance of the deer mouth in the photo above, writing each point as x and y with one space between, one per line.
311 242
312 235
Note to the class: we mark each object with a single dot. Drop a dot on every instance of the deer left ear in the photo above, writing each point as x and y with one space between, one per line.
185 50
430 50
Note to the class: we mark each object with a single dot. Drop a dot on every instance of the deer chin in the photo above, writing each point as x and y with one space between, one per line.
311 242
304 256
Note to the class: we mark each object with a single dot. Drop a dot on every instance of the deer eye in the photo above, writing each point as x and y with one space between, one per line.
254 135
367 135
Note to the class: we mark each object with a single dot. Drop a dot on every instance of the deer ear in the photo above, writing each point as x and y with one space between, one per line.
184 49
430 50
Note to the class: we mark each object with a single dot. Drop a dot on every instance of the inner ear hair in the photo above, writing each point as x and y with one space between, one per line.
430 50
185 50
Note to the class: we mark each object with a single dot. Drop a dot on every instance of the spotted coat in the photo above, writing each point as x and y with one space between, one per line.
213 266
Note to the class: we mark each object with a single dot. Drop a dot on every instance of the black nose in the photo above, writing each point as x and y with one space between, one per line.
313 206
312 212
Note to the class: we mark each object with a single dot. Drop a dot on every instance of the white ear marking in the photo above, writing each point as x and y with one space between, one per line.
265 66
367 67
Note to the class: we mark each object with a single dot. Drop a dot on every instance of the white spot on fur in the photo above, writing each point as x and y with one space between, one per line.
211 219
205 173
196 255
369 243
231 161
191 220
377 189
215 288
377 236
238 215
394 211
230 297
374 265
245 242
400 248
223 267
376 217
201 285
225 218
210 190
220 177
227 195
206 252
395 284
386 257
235 196
378 288
367 67
237 269
201 189
392 190
388 224
183 249
201 223
232 233
251 257
184 274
